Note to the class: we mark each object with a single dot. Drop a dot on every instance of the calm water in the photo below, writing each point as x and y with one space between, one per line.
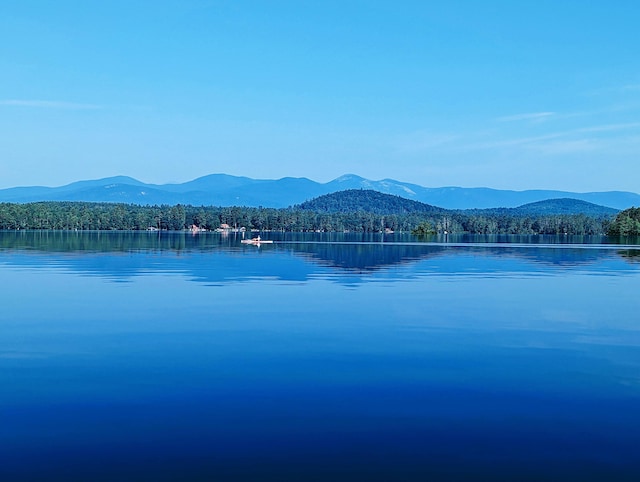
177 357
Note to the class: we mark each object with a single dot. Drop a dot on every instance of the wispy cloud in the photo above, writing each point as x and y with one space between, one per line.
48 104
609 127
533 116
579 139
568 146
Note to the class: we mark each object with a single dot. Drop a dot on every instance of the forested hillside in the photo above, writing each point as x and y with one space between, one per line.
564 206
354 200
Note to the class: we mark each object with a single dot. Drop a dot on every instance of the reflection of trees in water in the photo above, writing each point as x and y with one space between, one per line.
358 254
559 257
631 255
369 257
347 251
364 257
113 241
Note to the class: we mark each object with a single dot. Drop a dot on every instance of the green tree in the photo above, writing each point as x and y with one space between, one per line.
425 228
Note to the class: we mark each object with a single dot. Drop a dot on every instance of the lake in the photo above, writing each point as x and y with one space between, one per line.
171 356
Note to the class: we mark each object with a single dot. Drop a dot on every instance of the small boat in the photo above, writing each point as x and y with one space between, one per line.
256 241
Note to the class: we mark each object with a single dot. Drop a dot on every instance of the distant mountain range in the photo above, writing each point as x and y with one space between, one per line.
226 190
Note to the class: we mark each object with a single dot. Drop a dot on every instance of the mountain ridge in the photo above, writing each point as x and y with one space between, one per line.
365 200
227 190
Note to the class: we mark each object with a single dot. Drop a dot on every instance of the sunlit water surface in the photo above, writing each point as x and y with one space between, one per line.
169 356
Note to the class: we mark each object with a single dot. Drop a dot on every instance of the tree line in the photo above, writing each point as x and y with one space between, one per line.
626 223
109 216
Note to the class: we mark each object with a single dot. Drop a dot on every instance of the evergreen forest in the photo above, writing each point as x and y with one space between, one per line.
110 216
626 223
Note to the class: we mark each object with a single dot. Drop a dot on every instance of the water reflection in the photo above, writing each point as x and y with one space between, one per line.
523 368
214 258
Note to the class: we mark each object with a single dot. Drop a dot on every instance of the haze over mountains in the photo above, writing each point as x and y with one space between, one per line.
226 190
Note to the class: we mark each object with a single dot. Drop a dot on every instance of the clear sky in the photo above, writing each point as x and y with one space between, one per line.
506 94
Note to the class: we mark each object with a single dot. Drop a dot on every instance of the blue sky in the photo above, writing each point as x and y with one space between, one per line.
505 94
